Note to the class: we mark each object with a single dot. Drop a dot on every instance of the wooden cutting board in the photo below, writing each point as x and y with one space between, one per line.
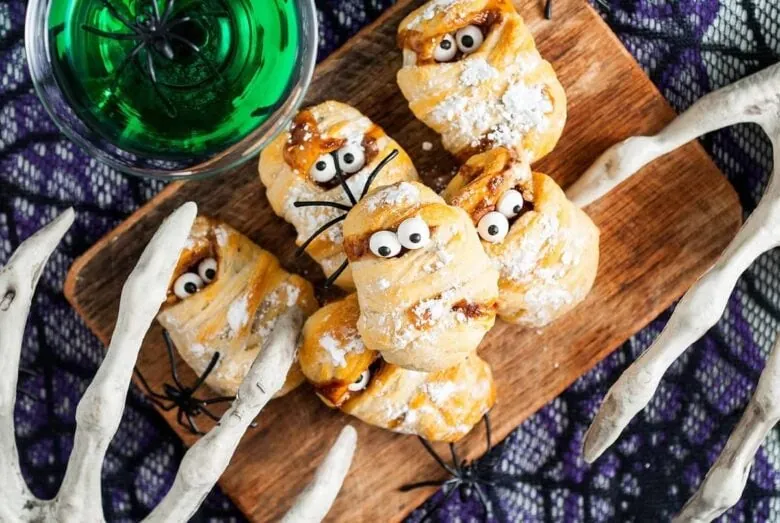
660 231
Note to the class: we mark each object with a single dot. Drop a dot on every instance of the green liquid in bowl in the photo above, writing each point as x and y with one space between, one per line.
219 68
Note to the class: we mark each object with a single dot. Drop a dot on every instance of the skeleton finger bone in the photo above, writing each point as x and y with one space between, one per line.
18 281
699 310
754 99
726 480
100 410
751 99
205 462
315 501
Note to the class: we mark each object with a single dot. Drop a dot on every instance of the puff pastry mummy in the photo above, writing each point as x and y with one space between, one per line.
324 143
440 406
225 297
472 73
426 288
545 247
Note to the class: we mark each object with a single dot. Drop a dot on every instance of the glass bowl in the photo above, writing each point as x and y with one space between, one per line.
180 164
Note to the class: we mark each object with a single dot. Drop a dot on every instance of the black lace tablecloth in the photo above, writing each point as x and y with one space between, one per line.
688 47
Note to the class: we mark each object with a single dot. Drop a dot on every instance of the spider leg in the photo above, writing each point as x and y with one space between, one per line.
125 62
193 426
488 430
206 373
199 54
335 205
221 399
483 500
171 360
345 186
151 394
169 107
437 458
435 508
335 276
302 248
167 12
156 9
455 460
27 395
387 159
112 36
180 418
548 11
422 484
119 16
205 410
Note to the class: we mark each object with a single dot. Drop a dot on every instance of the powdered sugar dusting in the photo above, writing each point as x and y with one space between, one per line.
403 193
338 350
238 315
477 71
431 9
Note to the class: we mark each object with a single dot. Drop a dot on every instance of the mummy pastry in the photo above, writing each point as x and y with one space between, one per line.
545 247
440 406
426 288
472 73
327 156
225 297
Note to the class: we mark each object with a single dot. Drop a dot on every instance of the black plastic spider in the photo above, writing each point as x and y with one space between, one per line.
153 30
177 396
468 478
346 208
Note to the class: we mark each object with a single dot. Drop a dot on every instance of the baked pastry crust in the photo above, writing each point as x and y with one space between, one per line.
440 406
234 313
502 94
549 258
425 309
286 165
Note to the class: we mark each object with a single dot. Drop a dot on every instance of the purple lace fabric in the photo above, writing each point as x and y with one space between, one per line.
688 47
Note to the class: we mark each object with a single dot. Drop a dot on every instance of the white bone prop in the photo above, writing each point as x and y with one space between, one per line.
99 412
725 481
17 285
754 99
316 499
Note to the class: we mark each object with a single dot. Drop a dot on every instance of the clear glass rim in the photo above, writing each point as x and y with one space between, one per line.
37 39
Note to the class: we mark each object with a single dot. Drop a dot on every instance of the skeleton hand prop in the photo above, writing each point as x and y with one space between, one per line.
100 410
754 99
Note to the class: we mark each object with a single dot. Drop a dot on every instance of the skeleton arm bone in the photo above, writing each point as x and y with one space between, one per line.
315 501
17 285
748 100
100 410
205 462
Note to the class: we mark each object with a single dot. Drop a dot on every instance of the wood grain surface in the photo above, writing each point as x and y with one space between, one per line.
660 231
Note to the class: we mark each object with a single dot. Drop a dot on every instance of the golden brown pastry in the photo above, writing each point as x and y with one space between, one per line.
328 144
225 297
440 406
545 247
472 73
427 290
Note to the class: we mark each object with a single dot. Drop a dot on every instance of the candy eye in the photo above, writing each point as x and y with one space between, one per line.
414 233
207 270
352 158
510 204
361 383
186 285
446 49
469 39
324 169
493 227
384 244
